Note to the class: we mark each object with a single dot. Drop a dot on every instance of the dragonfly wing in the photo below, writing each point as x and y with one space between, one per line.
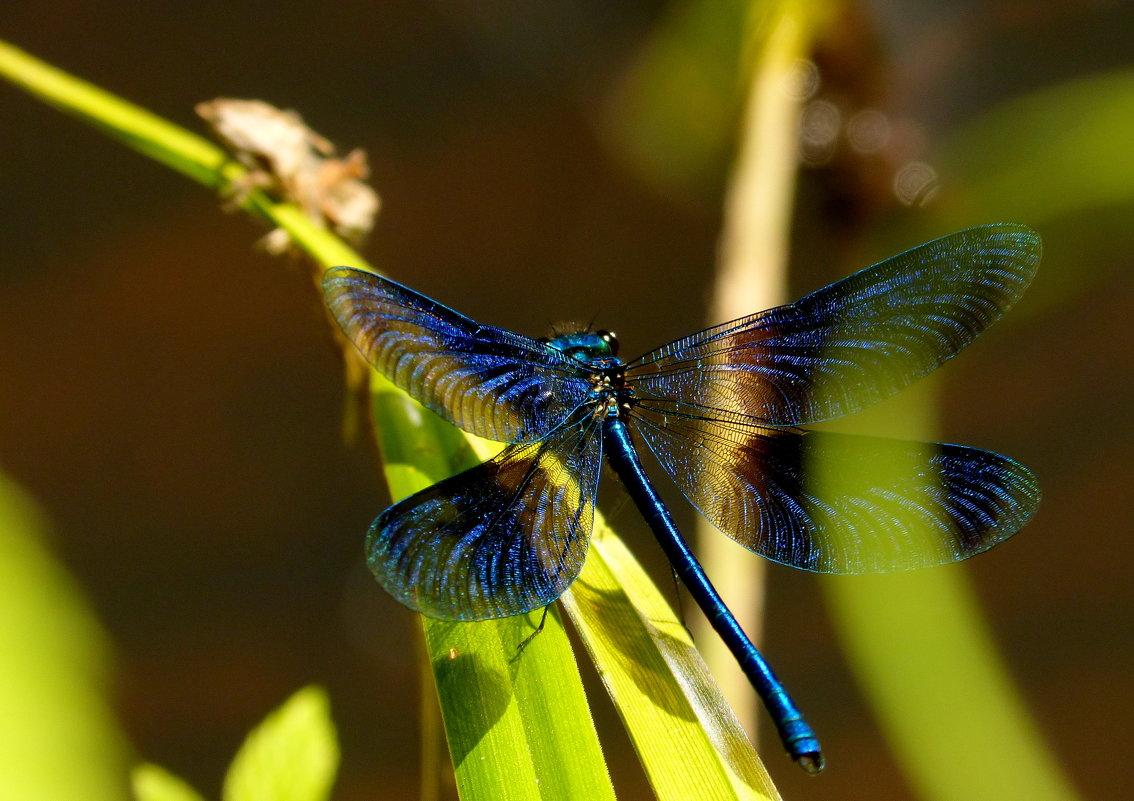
838 503
852 343
503 538
491 382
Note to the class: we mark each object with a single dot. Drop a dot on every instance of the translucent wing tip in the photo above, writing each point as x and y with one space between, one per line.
1012 240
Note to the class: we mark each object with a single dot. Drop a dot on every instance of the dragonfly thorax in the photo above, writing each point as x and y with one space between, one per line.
608 387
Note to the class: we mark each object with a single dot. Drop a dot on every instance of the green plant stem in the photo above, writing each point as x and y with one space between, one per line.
169 144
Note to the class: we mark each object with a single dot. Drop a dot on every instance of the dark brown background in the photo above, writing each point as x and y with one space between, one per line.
173 399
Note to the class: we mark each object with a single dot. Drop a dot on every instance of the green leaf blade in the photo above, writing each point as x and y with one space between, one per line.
689 740
517 722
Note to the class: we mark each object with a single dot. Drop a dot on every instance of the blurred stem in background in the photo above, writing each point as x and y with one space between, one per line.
752 275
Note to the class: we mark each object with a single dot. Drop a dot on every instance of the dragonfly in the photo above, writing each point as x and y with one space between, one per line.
721 410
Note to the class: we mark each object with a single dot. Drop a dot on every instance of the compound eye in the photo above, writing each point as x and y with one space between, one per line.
611 340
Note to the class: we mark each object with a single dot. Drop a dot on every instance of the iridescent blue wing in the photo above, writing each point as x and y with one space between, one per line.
503 538
491 382
838 503
850 344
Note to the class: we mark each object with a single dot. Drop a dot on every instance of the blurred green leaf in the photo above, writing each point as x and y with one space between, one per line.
945 699
58 739
673 118
291 756
153 783
1054 152
1059 160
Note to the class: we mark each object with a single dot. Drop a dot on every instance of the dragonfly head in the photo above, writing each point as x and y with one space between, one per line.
585 345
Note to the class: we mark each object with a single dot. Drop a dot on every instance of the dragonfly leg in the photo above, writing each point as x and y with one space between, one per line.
542 619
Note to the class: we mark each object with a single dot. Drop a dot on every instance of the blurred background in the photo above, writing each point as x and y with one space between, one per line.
172 399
